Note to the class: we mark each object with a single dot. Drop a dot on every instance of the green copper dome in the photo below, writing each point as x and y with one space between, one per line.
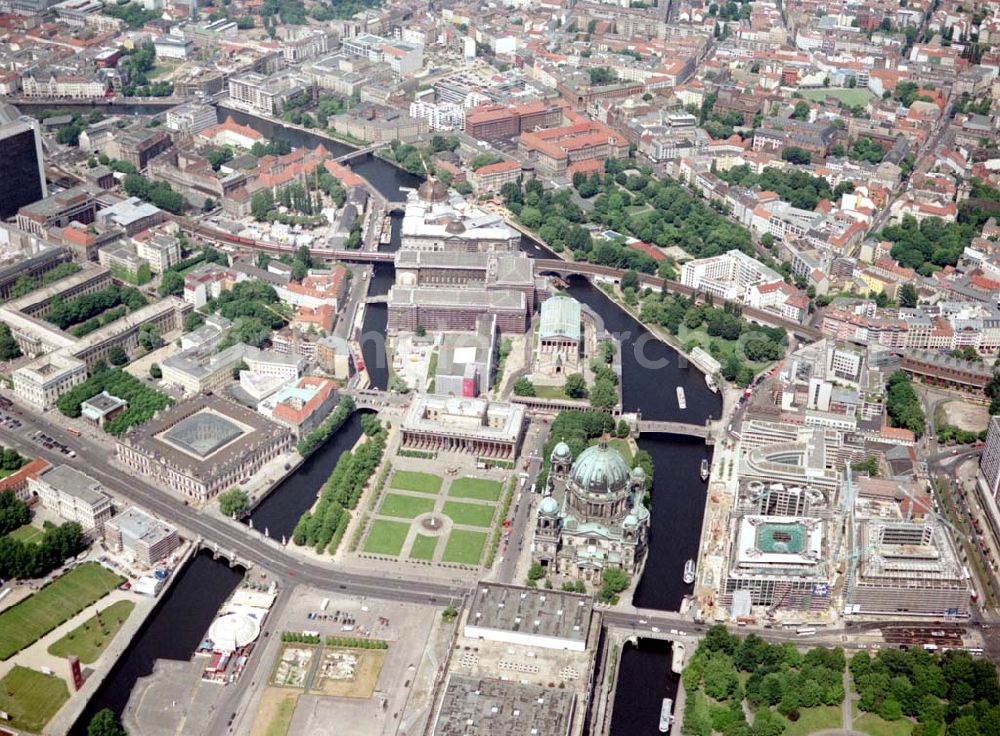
600 469
548 506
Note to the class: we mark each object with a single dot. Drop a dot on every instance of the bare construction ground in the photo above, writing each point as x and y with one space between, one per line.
970 417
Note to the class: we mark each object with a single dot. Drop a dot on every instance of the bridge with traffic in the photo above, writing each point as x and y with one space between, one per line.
707 430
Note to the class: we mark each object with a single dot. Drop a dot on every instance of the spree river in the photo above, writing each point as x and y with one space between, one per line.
651 371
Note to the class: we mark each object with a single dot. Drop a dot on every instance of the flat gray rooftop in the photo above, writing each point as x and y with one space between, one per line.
74 483
484 707
529 611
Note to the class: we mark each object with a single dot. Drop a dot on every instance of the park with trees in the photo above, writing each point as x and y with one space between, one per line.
781 689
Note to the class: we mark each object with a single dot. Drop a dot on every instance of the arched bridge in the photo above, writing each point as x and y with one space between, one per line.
358 153
645 426
566 268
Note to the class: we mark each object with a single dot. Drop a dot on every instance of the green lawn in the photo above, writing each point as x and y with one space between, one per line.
465 547
405 507
469 514
815 719
38 614
27 533
847 96
551 392
89 639
423 547
410 480
386 537
31 698
872 723
477 488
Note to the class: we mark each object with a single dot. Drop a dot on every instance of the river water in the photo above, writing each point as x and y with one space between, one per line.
651 372
173 631
644 680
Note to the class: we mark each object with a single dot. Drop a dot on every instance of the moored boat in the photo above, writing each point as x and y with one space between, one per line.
704 469
689 572
682 402
666 715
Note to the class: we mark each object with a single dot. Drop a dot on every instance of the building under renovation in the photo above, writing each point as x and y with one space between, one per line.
780 542
907 568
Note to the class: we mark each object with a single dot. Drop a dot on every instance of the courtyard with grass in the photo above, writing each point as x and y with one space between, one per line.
88 640
409 480
423 547
27 534
405 507
39 613
848 96
31 698
480 489
386 537
468 514
464 547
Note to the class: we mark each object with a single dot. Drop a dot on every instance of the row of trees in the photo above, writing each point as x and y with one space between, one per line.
299 637
65 313
96 323
903 405
319 435
35 559
143 402
353 643
324 526
27 284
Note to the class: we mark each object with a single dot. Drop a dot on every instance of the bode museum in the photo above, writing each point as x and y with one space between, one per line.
592 516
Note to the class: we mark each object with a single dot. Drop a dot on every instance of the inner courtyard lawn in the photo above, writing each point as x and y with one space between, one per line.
405 507
35 616
464 547
27 533
480 489
386 537
411 480
468 514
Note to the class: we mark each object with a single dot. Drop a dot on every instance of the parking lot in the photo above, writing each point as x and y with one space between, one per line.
51 444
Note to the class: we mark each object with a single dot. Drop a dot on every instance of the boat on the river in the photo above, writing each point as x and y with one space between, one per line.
680 398
666 715
689 572
710 382
704 469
